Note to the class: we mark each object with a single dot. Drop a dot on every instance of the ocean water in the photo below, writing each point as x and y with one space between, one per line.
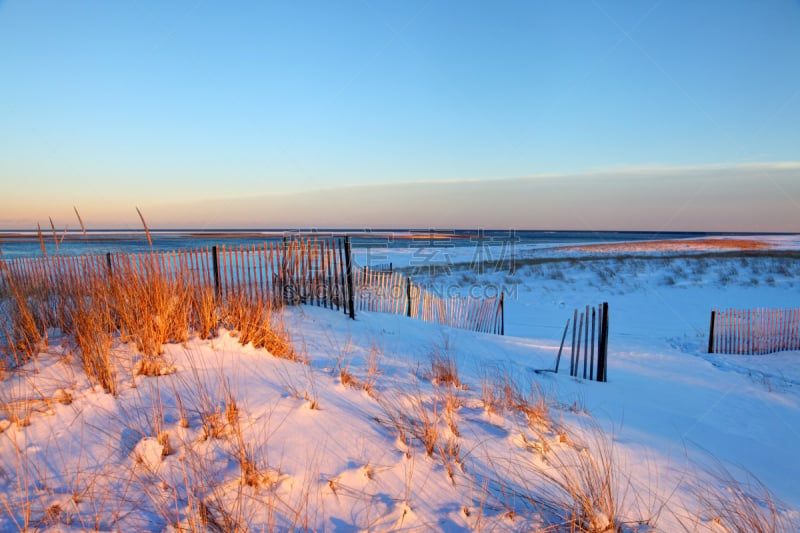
27 244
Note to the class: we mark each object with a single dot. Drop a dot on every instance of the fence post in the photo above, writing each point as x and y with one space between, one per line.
563 338
600 319
572 351
586 342
215 261
408 297
502 314
591 356
108 264
602 348
577 368
342 275
711 333
349 267
284 274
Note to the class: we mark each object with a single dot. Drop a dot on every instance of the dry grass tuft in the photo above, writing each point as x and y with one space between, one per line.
151 310
450 398
373 371
411 417
584 485
23 323
16 411
93 327
204 313
444 368
727 504
577 486
500 392
163 440
348 379
255 322
207 398
425 424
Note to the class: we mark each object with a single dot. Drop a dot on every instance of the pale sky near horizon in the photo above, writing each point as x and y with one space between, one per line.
595 114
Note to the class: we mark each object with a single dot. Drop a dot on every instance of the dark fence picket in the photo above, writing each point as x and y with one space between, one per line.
245 282
230 268
770 330
575 371
788 330
572 352
591 355
237 269
324 275
727 331
602 347
229 254
740 331
796 330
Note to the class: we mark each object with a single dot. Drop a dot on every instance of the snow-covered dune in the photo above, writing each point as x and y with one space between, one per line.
397 424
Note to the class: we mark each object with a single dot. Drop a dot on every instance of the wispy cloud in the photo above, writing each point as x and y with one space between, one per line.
743 196
725 197
609 172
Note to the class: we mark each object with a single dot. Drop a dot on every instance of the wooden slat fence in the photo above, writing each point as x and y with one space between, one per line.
299 271
49 272
754 331
381 267
382 292
303 270
392 292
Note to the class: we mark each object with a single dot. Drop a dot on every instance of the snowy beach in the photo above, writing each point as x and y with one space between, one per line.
394 424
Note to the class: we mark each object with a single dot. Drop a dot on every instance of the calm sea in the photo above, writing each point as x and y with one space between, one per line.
20 244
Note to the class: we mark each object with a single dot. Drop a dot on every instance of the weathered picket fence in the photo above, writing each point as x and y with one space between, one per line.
310 270
304 270
381 267
581 338
754 331
392 292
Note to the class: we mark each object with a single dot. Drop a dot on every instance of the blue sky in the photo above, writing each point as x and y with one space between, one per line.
193 110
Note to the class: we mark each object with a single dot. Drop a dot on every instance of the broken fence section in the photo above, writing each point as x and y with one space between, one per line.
392 292
754 331
592 366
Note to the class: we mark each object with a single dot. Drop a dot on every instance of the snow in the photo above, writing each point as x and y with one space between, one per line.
148 452
266 443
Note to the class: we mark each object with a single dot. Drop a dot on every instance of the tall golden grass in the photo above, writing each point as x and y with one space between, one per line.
23 321
139 305
253 319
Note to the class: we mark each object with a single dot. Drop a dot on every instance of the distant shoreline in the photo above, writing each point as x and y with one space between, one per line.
397 233
72 242
673 245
